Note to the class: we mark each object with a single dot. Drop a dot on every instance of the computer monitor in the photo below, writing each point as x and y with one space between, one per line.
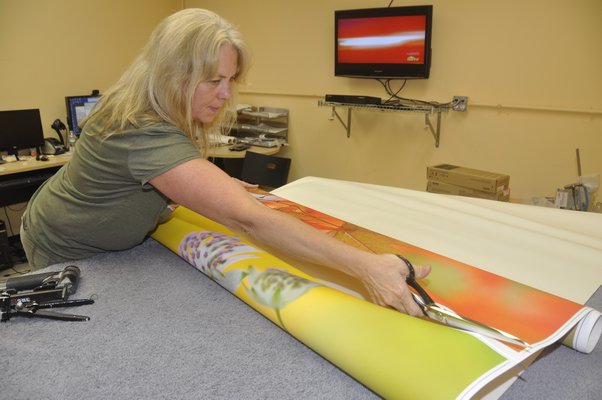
20 129
78 108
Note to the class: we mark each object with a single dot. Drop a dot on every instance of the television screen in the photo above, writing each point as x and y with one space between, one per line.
20 129
78 108
393 42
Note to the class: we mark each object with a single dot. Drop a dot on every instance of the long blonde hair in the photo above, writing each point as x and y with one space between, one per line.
159 86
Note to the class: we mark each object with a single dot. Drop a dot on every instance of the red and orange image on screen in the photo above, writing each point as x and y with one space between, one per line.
382 40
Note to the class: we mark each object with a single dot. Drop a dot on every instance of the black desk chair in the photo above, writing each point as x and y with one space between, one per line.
269 172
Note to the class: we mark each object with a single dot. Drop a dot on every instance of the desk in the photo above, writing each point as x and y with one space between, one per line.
20 179
58 161
33 164
225 152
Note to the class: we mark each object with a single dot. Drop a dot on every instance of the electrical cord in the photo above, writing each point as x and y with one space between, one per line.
394 97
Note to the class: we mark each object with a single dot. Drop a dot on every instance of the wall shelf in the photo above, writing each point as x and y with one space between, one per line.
425 109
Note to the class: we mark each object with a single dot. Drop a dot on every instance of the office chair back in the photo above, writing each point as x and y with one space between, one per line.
268 172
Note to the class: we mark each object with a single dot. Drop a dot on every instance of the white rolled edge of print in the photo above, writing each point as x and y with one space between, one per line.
585 335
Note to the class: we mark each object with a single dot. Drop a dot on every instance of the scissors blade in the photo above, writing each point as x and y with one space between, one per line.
448 317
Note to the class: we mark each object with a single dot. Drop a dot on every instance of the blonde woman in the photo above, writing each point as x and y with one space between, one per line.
144 147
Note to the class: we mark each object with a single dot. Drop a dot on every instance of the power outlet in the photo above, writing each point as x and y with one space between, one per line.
460 103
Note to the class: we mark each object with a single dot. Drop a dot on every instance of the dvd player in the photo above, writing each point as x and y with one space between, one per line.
350 99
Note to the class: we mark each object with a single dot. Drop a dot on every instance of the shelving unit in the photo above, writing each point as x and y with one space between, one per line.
427 110
262 126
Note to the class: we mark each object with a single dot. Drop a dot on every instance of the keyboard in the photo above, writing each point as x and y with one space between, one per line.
17 188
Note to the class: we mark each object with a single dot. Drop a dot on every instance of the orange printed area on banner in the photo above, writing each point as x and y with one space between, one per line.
480 295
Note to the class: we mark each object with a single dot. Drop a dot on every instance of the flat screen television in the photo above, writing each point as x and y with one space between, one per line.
20 129
392 42
78 108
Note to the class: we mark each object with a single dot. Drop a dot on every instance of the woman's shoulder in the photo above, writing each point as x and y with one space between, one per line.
155 128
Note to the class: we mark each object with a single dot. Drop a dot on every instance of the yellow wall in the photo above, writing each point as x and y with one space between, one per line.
531 70
50 49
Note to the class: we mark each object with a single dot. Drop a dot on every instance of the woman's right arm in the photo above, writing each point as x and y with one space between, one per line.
202 187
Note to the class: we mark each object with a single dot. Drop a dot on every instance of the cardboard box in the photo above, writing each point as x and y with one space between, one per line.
484 181
446 188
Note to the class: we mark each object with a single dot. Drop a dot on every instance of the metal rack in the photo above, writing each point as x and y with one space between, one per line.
427 110
262 126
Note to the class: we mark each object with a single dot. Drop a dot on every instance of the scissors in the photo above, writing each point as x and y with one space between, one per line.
445 315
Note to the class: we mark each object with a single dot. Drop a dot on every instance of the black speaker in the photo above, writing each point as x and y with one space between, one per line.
6 259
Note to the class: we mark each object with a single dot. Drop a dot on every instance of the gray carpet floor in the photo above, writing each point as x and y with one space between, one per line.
161 330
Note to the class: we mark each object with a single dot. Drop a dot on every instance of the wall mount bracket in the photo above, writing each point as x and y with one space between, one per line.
428 110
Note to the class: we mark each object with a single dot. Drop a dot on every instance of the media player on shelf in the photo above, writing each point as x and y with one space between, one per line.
350 99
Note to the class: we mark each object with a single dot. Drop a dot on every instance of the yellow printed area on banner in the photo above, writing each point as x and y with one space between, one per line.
395 355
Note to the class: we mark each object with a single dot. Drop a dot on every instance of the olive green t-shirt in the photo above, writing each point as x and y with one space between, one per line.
101 200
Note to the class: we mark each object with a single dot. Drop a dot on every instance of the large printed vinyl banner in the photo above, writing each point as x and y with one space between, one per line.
395 355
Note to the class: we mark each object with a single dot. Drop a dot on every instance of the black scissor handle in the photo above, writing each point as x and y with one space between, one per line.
411 280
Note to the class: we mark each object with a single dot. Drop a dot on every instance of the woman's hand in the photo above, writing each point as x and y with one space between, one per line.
385 280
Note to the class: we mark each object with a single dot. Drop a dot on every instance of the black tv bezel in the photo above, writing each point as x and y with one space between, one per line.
389 71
